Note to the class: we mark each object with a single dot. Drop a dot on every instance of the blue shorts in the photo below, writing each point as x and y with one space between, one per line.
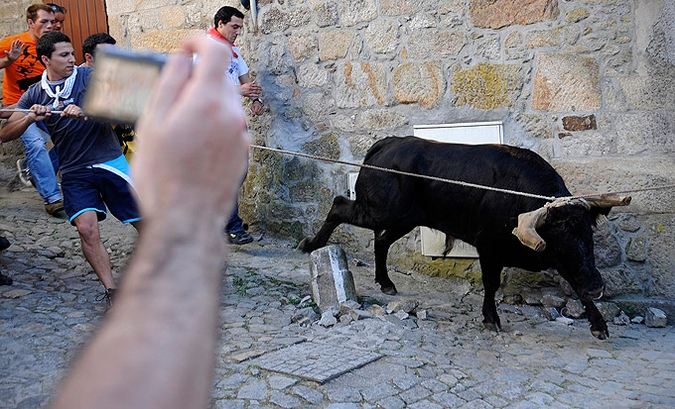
92 188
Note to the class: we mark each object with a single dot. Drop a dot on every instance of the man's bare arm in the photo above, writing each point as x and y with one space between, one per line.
15 126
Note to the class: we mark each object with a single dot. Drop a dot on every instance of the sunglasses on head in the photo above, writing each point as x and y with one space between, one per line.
57 8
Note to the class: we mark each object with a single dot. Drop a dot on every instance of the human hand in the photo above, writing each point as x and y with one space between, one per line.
192 144
15 50
257 108
73 111
250 89
38 113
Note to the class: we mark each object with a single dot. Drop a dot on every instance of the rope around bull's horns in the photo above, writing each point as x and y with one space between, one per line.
454 182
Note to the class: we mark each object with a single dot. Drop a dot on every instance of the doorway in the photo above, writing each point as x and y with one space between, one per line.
83 18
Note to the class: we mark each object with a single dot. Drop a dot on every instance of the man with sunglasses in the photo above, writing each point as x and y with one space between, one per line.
59 15
227 25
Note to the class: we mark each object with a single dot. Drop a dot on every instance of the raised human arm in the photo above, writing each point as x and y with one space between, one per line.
11 55
156 347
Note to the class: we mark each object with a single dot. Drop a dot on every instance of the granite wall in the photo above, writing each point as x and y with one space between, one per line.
588 84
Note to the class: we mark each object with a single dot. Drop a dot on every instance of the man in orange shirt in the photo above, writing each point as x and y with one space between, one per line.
23 68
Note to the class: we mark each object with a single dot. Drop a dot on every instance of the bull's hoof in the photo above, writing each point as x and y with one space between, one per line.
304 245
494 327
600 334
389 290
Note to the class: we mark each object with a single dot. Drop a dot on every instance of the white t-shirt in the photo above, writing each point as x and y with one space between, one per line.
237 67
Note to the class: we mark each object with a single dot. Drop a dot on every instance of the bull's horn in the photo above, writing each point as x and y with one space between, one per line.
526 230
607 200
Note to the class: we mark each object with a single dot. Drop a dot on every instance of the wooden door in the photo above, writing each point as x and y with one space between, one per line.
83 18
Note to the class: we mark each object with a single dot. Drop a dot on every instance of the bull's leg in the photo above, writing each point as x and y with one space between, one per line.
383 240
340 212
491 273
595 319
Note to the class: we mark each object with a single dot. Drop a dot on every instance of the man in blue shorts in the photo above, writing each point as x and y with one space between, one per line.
94 173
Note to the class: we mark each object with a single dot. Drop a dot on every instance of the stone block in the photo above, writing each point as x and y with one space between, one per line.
502 13
172 17
577 15
407 306
608 310
661 236
327 146
273 20
566 82
311 75
621 319
435 43
535 125
636 250
622 281
332 283
334 44
655 318
302 46
607 248
644 132
550 300
488 86
327 319
353 12
399 7
326 14
164 41
623 174
382 36
422 83
574 309
579 123
362 84
381 119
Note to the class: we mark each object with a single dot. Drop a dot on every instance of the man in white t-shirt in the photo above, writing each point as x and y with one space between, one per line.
227 25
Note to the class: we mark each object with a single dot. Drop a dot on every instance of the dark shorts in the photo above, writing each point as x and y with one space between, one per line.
92 188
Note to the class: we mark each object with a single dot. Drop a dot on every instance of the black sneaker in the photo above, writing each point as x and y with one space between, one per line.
24 173
4 243
240 237
108 296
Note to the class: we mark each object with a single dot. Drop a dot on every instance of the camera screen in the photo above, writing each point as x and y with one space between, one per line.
121 83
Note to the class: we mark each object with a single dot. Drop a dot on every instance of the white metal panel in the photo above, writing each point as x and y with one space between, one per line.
351 183
473 133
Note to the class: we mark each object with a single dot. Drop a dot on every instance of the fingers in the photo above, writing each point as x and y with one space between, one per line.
214 57
170 85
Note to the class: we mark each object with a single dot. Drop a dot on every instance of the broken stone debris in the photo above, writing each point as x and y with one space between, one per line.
621 319
407 306
574 309
655 318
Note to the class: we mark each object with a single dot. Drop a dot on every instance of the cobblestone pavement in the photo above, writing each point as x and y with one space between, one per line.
446 360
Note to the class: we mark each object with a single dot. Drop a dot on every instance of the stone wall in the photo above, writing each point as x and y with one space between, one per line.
588 84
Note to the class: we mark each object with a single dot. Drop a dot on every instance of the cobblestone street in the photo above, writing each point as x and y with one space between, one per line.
444 361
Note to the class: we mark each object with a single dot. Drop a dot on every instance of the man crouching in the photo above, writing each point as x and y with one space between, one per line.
94 172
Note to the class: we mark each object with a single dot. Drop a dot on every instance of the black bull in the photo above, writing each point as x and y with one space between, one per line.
392 205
